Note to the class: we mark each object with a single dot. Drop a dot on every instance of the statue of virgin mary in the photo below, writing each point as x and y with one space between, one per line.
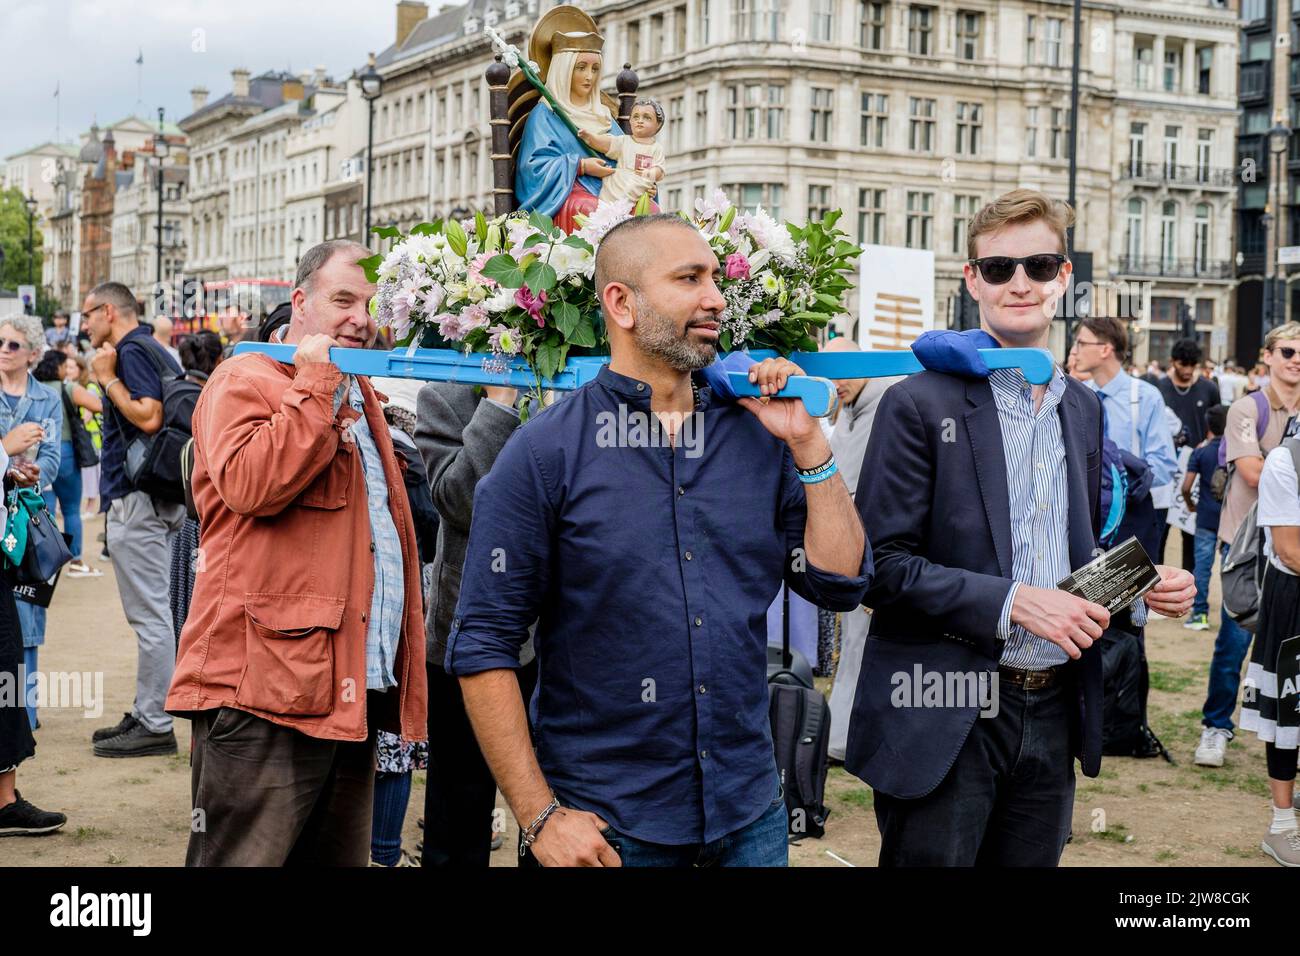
555 173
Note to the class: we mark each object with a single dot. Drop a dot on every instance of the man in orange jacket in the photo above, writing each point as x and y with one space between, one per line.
306 631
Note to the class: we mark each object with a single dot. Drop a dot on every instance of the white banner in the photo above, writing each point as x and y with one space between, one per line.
1179 514
896 292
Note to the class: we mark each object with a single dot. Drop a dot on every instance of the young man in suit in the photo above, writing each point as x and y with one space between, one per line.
978 496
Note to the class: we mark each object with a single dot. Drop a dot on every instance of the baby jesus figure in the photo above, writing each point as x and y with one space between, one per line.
640 159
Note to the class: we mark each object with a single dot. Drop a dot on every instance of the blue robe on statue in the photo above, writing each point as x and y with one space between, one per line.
547 162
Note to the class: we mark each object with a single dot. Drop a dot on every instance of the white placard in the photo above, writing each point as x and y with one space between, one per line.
1179 515
1288 255
896 292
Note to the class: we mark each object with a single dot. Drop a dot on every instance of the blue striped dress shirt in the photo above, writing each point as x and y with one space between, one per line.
1040 505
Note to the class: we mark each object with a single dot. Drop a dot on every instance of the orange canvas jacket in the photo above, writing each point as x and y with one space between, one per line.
277 624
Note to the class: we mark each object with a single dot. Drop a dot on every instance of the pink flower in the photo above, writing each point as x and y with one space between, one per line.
473 317
737 266
532 304
475 267
451 326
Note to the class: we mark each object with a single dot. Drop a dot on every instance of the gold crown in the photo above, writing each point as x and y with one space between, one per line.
563 27
577 42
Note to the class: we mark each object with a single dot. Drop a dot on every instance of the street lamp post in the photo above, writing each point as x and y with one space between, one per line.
297 259
30 203
1279 138
160 151
372 85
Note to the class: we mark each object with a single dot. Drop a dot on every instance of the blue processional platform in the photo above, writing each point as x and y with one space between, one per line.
816 388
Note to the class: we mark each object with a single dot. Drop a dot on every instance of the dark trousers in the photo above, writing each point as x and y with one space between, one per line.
460 794
1189 544
266 795
1008 798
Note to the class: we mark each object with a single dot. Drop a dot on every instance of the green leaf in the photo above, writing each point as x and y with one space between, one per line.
830 300
727 218
566 318
585 334
548 359
541 222
504 271
456 238
386 232
540 277
642 205
832 217
480 227
426 229
533 240
724 341
577 242
371 266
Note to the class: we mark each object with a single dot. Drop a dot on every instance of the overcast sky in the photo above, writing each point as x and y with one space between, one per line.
89 48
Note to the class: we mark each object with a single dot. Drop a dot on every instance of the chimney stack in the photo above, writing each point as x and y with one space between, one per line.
409 15
320 78
198 98
239 82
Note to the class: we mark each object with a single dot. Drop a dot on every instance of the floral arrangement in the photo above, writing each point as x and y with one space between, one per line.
517 286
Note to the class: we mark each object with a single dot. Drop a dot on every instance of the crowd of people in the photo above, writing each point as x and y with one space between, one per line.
351 580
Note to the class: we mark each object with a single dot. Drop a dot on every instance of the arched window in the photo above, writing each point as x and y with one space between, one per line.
1201 242
1168 234
1133 231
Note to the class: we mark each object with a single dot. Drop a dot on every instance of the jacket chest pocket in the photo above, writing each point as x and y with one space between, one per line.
289 653
331 488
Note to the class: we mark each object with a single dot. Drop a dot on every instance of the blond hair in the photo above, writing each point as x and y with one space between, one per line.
1017 206
1287 330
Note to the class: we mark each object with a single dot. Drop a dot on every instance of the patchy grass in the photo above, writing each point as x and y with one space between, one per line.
1166 856
1117 833
87 834
1174 678
863 798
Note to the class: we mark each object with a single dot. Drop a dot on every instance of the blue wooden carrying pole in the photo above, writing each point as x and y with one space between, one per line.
816 389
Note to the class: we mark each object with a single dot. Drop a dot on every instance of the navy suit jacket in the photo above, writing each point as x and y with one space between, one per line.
933 498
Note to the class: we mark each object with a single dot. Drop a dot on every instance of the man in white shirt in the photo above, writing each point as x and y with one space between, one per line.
1270 700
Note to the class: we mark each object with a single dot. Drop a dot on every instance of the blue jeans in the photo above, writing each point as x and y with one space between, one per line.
761 843
392 793
1205 547
67 491
1230 647
29 664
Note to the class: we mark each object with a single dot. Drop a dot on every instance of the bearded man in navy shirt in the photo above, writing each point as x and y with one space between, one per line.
646 525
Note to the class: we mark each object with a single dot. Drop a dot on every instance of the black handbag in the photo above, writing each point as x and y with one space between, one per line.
32 544
84 452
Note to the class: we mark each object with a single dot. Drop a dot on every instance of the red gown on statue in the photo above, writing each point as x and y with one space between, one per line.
580 203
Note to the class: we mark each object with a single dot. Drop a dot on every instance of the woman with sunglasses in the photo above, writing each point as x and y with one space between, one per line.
18 817
33 411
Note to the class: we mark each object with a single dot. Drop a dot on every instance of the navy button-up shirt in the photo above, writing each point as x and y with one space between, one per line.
649 569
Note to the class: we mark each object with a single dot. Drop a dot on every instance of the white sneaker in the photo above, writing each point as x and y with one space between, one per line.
1214 742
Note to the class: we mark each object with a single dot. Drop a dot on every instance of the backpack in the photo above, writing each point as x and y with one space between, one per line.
153 462
84 452
1223 473
801 736
1242 577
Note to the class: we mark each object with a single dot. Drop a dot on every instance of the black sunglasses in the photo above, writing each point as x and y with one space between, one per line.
998 270
1286 352
11 345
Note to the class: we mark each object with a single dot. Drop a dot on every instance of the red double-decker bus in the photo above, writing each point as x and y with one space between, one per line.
231 305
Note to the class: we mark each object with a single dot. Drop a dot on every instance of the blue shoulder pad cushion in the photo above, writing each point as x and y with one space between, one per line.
715 375
956 353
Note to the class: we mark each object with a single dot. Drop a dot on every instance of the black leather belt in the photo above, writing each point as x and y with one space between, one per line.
1031 680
